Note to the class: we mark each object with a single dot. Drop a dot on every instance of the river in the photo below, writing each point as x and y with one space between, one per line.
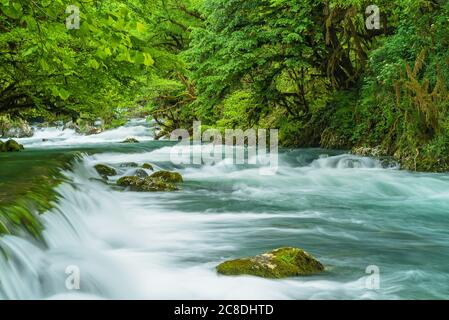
349 212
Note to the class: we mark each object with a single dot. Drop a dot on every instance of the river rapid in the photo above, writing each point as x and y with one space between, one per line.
349 212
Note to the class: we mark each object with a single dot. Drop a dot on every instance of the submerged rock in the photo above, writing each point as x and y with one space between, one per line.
279 263
148 166
105 171
168 176
10 146
131 140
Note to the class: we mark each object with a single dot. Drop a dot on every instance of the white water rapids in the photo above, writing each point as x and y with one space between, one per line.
347 211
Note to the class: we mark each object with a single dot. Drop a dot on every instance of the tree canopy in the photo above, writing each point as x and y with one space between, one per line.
313 69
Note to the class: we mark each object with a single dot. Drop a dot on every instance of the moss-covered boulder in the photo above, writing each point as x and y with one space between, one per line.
157 185
279 263
167 176
131 181
105 171
130 140
147 184
10 146
148 166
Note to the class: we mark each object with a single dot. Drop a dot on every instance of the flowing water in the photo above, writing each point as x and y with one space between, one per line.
349 212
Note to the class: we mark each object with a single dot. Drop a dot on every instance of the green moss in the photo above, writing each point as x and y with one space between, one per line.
280 263
147 166
105 171
131 181
10 146
173 177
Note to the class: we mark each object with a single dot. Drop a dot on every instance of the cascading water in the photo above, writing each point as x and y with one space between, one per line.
349 212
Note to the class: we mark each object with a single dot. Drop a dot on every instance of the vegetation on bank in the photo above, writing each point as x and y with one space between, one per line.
310 68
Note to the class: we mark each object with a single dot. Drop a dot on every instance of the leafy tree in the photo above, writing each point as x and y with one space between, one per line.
49 68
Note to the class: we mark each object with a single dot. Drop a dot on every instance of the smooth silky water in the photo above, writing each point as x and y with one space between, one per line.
349 212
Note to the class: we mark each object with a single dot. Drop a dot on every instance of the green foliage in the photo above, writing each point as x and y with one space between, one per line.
310 68
404 101
96 71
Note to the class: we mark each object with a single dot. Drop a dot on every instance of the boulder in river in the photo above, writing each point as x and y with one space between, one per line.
277 264
148 166
159 181
10 146
130 140
147 184
105 171
129 181
129 164
71 126
168 176
156 185
90 130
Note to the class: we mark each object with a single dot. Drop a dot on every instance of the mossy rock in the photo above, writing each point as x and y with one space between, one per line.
131 181
277 264
157 185
10 146
131 140
167 176
105 171
147 184
147 166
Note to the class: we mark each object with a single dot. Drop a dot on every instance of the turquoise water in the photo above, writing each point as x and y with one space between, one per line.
349 212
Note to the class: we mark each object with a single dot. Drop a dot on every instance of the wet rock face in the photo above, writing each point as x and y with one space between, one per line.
105 171
15 129
277 264
10 146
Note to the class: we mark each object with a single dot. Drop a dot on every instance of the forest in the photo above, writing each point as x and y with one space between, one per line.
312 69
